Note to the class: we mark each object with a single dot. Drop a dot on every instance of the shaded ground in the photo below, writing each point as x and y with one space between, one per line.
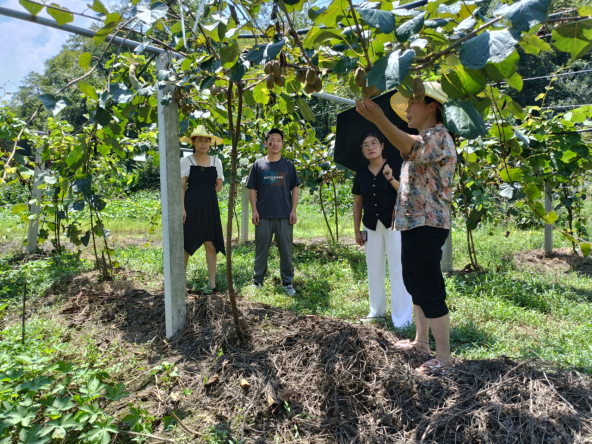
316 379
562 260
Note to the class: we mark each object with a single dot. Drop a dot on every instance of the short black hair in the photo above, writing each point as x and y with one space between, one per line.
274 131
376 134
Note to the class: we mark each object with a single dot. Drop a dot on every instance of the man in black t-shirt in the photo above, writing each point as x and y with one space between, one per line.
273 184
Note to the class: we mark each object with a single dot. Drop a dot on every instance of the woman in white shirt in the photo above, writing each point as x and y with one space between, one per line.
201 180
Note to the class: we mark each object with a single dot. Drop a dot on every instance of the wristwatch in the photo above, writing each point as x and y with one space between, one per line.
391 179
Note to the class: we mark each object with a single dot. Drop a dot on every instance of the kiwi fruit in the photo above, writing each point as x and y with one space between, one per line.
177 94
418 89
308 88
374 90
360 77
215 90
300 75
275 68
311 76
280 81
269 81
318 84
267 68
365 92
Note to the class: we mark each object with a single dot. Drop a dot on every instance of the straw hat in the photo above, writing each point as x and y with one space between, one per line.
200 131
399 103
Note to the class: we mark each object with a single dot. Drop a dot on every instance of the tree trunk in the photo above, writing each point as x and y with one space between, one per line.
324 213
336 208
235 133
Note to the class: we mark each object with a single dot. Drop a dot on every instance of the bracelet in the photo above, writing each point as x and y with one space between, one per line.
391 179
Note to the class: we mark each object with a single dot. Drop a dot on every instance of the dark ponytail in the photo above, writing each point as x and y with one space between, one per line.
440 117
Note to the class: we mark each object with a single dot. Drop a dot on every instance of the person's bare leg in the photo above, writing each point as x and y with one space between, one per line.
422 330
186 259
211 261
441 332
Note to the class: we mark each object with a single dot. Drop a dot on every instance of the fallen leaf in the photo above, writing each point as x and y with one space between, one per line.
244 384
285 395
212 380
175 397
271 403
332 415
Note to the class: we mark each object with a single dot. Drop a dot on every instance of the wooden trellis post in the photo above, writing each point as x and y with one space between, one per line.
244 235
548 228
35 209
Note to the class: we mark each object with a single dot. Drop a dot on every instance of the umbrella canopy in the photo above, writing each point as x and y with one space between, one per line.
351 127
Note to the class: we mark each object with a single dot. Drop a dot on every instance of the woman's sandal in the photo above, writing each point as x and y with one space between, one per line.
409 345
433 367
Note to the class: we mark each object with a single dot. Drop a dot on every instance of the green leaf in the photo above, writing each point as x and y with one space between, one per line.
35 385
88 90
552 217
101 433
21 415
19 208
345 65
574 37
229 54
489 46
239 70
97 6
60 17
511 175
116 392
585 248
532 44
375 18
504 70
437 23
32 436
84 60
409 28
389 71
337 10
532 191
507 190
264 53
525 14
472 81
461 118
315 11
102 33
515 81
305 110
149 15
54 104
261 94
120 93
33 8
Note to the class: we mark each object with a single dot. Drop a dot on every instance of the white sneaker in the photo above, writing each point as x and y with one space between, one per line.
289 290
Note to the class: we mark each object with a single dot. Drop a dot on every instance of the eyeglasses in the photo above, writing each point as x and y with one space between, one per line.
373 144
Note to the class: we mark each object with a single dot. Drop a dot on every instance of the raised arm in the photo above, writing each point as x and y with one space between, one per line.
400 139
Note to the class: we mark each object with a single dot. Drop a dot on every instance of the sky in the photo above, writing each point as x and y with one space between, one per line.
26 46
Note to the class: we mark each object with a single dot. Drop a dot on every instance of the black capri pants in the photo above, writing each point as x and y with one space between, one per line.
421 253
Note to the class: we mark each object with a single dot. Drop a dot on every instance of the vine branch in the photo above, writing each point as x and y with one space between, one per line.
360 34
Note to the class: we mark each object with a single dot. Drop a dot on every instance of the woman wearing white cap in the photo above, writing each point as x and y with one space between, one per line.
422 211
201 179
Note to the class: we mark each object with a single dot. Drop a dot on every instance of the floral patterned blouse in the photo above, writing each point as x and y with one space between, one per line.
425 192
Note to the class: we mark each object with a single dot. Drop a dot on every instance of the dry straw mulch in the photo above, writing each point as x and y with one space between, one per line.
323 380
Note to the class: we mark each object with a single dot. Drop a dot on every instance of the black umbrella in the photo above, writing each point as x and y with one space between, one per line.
351 126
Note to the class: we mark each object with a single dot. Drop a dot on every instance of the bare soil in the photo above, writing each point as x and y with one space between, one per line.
562 260
314 379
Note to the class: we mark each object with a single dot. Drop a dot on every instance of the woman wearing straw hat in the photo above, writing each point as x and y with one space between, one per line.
422 211
201 179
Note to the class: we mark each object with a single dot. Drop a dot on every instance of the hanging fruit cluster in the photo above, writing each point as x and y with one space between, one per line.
273 70
185 103
360 79
312 81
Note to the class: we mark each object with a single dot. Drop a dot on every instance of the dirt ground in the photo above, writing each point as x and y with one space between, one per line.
313 379
562 260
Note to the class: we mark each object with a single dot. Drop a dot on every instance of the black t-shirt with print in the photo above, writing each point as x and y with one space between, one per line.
274 182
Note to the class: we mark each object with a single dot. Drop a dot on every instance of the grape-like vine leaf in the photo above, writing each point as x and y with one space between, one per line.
489 46
461 118
389 71
525 14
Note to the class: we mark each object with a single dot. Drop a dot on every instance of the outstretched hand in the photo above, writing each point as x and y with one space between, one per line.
370 110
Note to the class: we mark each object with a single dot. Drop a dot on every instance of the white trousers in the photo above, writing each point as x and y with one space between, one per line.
381 243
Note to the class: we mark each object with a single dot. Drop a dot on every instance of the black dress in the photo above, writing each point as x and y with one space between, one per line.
203 214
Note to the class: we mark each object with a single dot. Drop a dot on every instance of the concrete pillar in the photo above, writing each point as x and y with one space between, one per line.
548 228
35 209
446 262
245 219
170 195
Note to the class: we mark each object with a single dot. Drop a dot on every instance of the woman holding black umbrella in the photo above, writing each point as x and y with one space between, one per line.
422 212
375 192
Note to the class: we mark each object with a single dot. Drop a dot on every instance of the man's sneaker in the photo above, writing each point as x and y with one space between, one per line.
289 290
